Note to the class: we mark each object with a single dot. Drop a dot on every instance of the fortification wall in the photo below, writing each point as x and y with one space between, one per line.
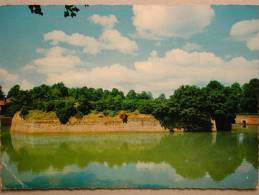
104 124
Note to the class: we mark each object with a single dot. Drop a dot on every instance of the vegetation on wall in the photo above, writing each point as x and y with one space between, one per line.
190 107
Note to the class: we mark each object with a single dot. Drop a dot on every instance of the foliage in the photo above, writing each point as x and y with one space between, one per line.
223 103
2 96
187 109
40 115
70 10
64 113
190 107
250 99
24 111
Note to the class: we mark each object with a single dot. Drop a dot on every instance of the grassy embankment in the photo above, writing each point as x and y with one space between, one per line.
40 115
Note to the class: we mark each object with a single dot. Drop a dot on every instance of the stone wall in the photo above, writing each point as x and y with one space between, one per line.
104 124
250 119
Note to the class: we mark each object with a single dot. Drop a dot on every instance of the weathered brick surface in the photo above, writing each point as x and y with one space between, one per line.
250 119
139 124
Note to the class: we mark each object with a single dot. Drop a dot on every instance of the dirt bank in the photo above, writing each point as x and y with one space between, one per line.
89 123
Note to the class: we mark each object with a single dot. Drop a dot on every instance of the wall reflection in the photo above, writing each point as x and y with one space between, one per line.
192 155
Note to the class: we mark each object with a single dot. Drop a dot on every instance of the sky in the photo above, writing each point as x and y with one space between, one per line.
154 48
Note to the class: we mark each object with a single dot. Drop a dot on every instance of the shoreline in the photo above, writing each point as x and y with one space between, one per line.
88 124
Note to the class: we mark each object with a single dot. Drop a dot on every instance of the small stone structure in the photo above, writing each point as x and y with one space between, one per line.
248 119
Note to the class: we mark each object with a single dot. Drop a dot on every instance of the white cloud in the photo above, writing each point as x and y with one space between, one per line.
253 42
110 38
6 76
26 84
7 80
106 21
192 47
156 74
54 61
90 44
158 21
247 31
113 40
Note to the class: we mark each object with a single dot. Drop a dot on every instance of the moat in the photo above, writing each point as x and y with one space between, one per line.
131 160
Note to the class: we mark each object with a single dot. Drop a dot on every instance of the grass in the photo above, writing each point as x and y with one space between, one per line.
248 114
40 115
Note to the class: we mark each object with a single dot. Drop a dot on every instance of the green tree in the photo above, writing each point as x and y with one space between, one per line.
65 113
84 106
186 108
191 105
144 95
129 105
222 104
2 96
145 106
58 90
250 100
19 99
14 92
24 111
237 95
131 95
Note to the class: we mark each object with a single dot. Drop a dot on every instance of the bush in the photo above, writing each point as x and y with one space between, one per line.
145 106
24 111
109 113
65 113
84 106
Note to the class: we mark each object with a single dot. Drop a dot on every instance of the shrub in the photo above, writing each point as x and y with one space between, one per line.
24 111
65 113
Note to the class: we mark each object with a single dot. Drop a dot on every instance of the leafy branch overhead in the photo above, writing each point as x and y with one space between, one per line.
70 10
36 9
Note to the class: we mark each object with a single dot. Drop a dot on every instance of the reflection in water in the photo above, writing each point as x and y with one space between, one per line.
133 160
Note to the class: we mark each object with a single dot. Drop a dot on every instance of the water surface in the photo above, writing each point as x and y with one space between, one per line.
131 160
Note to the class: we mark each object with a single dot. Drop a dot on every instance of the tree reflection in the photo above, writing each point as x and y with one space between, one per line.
192 155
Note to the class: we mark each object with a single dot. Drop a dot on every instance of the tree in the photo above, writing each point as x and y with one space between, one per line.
58 90
14 92
115 92
167 116
250 100
222 104
131 95
2 96
129 105
19 99
84 106
161 97
186 108
40 93
191 105
237 95
24 111
65 113
145 106
144 95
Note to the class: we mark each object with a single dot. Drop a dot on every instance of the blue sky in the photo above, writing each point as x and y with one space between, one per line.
153 48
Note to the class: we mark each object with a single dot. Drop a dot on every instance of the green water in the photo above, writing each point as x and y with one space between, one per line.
131 160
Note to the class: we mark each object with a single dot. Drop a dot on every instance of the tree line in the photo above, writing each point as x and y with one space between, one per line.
189 107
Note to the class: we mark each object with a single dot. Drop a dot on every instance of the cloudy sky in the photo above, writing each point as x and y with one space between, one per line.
140 47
